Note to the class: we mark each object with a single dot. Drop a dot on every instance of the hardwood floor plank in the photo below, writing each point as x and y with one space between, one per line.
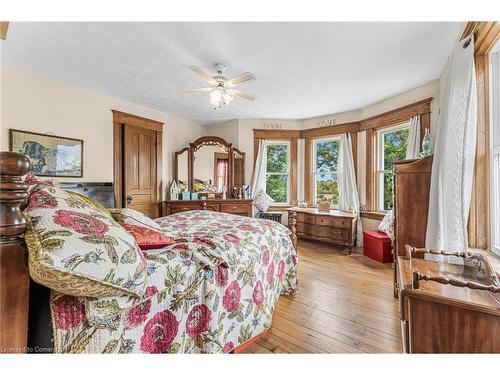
345 305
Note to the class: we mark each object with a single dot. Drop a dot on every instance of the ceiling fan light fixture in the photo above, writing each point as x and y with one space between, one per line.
221 89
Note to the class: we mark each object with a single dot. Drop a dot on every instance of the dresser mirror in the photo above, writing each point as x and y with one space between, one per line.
238 168
182 168
210 169
210 165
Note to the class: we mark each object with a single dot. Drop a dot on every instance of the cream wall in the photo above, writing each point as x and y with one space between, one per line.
228 130
37 104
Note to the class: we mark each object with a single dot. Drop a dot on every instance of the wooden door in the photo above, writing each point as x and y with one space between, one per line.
139 170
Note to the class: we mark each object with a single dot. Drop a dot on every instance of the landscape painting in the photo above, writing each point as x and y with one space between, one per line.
49 155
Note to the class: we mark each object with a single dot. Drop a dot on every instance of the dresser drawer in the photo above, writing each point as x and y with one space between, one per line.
335 234
183 207
209 206
305 218
339 234
234 208
333 221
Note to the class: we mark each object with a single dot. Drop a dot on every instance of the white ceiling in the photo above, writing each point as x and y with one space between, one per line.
303 69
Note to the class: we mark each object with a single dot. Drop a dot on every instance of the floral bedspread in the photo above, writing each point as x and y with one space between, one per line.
211 291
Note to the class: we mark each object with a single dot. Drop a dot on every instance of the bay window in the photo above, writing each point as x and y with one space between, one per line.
325 158
391 146
278 172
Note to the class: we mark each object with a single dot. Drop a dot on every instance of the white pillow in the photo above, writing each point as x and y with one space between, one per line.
387 224
262 201
130 216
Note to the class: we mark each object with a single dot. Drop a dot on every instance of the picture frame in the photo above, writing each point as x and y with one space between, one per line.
50 155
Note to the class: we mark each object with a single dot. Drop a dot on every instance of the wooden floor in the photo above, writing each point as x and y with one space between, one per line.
345 305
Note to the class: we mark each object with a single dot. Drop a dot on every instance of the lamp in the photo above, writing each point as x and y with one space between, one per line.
220 97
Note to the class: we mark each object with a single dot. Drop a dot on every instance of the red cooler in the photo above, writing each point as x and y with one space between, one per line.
377 245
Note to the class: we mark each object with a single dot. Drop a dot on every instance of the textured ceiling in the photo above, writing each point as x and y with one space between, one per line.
302 69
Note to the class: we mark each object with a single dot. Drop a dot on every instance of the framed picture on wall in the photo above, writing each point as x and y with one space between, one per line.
49 155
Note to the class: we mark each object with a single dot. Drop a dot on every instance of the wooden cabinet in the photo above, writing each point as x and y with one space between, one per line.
438 318
241 207
412 181
336 227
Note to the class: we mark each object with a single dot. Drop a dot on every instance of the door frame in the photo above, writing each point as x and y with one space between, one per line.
120 119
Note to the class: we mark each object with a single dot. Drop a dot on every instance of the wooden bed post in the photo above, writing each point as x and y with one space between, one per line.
14 276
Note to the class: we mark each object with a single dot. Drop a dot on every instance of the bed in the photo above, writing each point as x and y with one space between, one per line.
212 290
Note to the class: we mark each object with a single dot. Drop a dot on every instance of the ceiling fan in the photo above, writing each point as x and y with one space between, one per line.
222 90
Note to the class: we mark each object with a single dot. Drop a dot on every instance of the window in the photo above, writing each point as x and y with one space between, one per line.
495 148
278 171
326 153
391 146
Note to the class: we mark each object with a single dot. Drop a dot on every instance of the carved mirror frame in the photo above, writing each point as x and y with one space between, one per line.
196 145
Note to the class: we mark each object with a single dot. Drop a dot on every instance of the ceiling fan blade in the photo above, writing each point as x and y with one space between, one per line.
240 94
202 74
4 26
192 91
245 77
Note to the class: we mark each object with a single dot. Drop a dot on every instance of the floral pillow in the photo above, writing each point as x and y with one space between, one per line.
92 202
130 216
148 238
76 249
36 182
262 201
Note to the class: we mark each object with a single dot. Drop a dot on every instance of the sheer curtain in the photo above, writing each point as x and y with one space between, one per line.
259 171
454 153
413 150
346 177
221 175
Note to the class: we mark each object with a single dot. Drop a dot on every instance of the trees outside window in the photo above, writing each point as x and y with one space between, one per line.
392 144
326 153
278 171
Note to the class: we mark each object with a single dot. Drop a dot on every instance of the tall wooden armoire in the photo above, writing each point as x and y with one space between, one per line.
412 181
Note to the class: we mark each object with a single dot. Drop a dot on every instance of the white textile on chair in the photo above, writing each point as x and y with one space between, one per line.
348 191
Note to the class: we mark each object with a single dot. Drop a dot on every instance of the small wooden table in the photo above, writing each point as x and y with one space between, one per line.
438 318
336 227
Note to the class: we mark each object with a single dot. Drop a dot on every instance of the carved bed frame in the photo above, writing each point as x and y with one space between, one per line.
14 274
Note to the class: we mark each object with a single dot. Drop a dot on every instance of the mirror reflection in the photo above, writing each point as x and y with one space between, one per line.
210 169
182 170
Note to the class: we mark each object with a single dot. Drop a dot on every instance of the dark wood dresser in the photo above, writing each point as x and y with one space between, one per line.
437 318
241 207
336 227
412 182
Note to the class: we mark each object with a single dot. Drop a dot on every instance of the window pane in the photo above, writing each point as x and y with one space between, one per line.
276 187
388 186
277 158
327 153
496 202
395 145
327 189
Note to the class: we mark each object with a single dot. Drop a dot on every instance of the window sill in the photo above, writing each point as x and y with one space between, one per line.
372 215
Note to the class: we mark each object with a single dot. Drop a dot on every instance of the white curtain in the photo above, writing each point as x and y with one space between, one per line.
454 153
346 177
259 171
413 149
